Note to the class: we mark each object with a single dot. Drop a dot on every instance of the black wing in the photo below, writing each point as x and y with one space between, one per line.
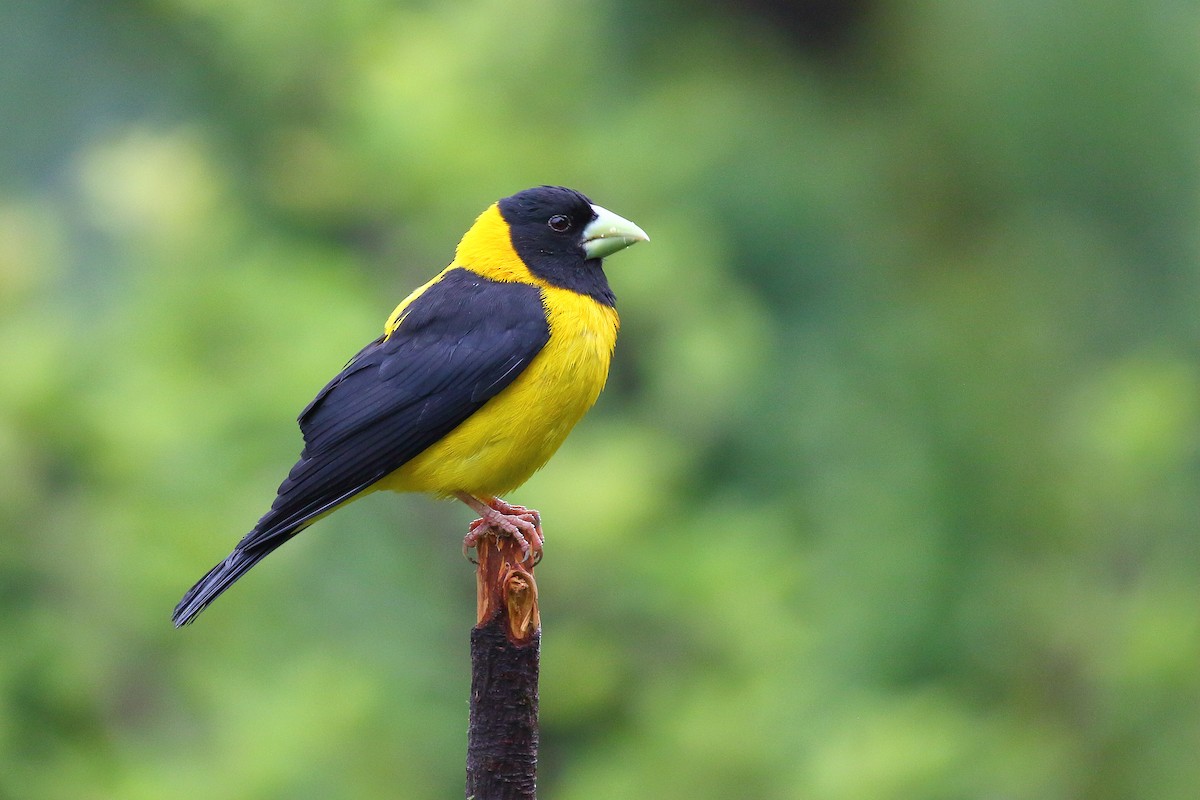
460 342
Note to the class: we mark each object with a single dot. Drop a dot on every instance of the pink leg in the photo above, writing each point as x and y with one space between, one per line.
501 518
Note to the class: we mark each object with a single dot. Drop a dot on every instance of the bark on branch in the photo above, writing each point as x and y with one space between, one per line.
502 736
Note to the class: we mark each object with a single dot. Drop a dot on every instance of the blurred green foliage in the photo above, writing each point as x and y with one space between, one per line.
898 466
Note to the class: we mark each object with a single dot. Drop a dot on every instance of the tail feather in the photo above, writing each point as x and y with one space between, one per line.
303 498
218 579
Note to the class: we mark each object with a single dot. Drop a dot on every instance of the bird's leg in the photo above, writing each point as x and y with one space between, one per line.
497 516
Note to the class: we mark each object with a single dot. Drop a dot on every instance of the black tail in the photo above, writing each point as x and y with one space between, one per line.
220 578
307 494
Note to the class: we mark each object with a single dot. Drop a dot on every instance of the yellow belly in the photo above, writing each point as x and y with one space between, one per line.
513 435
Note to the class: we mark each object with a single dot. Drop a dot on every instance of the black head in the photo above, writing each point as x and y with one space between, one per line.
547 226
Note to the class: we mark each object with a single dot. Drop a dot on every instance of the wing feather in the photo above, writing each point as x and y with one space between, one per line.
459 344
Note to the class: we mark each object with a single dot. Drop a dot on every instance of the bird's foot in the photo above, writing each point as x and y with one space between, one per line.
499 518
532 516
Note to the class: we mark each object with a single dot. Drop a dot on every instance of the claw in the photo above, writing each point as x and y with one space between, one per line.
500 518
518 514
471 541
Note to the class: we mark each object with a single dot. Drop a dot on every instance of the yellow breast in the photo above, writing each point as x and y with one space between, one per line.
513 435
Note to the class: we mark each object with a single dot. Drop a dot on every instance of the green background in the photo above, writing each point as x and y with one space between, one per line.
895 488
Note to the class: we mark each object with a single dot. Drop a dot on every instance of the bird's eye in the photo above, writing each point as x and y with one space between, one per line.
559 223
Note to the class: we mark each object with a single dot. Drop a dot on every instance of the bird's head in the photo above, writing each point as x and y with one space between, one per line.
558 235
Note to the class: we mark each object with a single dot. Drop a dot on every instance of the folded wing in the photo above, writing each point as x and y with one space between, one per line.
457 345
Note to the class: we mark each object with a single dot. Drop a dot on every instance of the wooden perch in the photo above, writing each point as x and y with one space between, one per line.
502 736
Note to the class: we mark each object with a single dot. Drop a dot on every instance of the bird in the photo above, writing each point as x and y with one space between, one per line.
477 379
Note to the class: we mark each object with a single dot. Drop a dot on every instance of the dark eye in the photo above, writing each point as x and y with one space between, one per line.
559 223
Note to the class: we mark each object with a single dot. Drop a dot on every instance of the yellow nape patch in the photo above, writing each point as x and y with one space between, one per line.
487 250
